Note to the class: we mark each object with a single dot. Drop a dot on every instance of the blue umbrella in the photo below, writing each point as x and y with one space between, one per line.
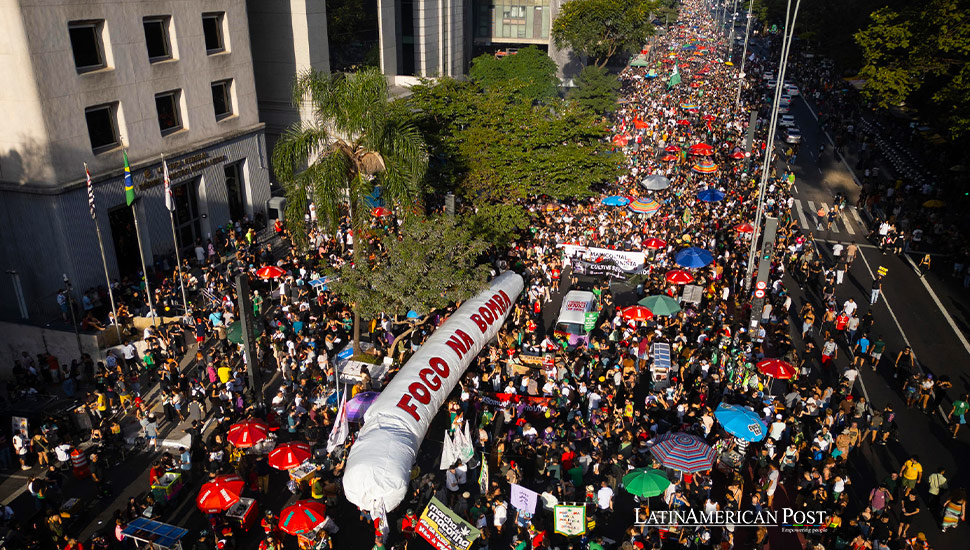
693 257
413 314
690 47
710 195
616 200
741 422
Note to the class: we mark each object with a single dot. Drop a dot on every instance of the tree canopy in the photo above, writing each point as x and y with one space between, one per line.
494 148
531 66
596 90
918 54
600 29
430 264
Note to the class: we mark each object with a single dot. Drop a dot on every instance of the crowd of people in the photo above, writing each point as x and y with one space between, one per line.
604 408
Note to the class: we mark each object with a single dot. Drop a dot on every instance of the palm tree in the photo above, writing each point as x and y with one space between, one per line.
354 143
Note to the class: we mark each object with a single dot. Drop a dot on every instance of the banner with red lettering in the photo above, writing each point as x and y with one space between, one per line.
530 402
379 465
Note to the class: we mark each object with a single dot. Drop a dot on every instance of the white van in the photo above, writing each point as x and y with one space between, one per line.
571 324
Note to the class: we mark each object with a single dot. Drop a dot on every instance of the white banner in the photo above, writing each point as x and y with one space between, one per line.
627 261
379 465
524 499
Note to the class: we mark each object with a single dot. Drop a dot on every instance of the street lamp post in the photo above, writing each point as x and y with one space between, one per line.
744 53
734 14
70 305
787 34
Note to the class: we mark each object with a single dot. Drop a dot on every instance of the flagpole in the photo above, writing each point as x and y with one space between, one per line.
170 206
141 256
104 259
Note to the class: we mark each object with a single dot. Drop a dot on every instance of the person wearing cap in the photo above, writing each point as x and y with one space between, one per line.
777 429
408 523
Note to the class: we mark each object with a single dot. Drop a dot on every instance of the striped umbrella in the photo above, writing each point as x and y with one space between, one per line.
705 167
644 206
684 452
302 517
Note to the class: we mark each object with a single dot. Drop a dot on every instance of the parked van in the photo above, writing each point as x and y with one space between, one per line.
572 316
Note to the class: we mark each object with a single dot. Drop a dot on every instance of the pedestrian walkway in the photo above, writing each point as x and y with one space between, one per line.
848 222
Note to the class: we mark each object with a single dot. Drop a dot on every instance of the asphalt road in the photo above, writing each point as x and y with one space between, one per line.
904 315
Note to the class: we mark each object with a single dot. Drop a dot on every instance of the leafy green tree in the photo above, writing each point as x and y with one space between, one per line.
918 54
430 265
596 90
600 29
531 66
354 143
495 149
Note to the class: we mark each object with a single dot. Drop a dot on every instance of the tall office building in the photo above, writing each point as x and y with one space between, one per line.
419 37
84 79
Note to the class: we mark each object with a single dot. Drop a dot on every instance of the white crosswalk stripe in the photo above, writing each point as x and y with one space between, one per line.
848 221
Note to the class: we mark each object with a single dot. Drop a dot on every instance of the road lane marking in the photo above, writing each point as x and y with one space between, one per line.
818 221
845 220
939 304
801 214
855 214
828 137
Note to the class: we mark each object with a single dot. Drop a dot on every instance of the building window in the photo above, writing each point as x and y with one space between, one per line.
157 39
212 28
221 99
167 106
102 127
87 45
187 217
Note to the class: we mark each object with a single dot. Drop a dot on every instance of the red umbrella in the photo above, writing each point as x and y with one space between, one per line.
380 212
621 140
709 117
683 122
744 228
290 455
654 243
247 433
669 158
701 149
270 272
672 149
220 494
679 277
737 155
695 84
776 368
302 517
636 313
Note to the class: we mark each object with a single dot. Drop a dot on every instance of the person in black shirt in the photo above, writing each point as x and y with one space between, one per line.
907 513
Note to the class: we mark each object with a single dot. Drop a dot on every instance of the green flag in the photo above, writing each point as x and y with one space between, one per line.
687 216
129 183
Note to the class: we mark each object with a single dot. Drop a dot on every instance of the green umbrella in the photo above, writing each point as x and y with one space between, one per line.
660 305
645 482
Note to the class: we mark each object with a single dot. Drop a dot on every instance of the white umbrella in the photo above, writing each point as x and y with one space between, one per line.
655 182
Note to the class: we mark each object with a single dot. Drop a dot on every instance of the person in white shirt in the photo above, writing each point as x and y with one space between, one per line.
500 513
604 497
777 428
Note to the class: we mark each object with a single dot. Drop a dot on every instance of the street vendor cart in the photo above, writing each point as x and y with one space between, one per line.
244 512
304 474
167 487
154 534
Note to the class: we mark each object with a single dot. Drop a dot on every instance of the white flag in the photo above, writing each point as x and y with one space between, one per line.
382 525
169 203
448 452
524 499
466 449
341 428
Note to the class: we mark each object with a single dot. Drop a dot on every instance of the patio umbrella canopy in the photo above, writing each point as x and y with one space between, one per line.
644 206
656 182
701 149
741 422
219 494
247 433
693 258
778 369
302 517
711 195
654 243
683 452
660 305
636 313
270 272
616 200
679 277
645 482
744 228
289 455
357 406
705 167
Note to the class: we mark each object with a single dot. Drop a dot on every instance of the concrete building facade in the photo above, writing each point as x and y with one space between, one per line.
288 37
86 79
